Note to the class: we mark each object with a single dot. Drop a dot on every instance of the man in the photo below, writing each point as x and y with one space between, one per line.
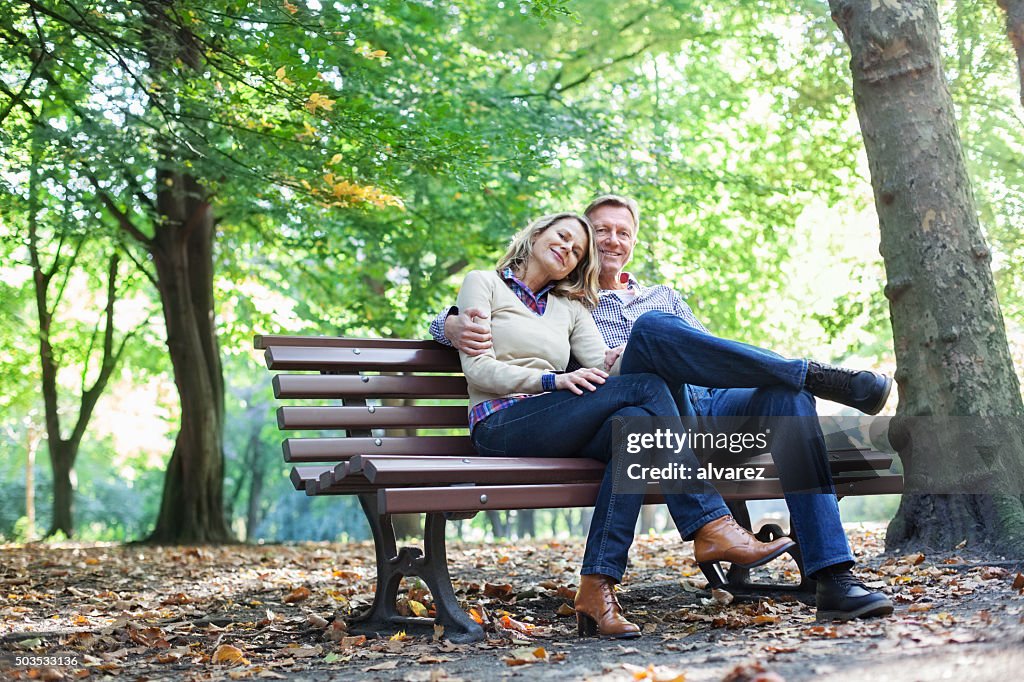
722 378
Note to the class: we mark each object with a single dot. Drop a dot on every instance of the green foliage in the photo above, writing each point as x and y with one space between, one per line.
360 158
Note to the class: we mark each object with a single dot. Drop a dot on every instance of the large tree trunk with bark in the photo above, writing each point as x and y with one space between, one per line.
192 507
62 461
950 341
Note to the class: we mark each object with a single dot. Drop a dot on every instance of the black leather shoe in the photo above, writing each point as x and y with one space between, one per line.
841 596
863 390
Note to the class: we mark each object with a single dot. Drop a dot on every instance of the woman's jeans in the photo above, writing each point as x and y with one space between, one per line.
563 424
750 382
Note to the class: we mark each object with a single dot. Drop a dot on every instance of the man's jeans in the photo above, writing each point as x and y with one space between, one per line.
750 382
563 424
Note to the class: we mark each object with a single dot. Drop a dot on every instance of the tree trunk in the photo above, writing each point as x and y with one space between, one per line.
253 515
32 443
950 341
192 507
499 527
1015 30
61 462
525 524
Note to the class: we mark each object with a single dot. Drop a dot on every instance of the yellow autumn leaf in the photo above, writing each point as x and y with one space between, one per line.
280 73
318 101
417 608
365 51
229 655
335 159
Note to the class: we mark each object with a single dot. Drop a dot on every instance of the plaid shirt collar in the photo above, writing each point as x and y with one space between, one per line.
536 301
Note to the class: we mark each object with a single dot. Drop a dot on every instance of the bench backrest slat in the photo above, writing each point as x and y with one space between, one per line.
375 386
302 450
362 359
432 417
264 341
337 449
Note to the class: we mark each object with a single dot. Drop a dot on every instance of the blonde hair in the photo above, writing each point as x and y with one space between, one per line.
616 200
580 284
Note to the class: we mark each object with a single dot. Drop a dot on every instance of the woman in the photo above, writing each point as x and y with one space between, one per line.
524 404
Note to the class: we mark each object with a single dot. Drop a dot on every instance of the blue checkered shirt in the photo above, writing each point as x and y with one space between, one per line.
615 318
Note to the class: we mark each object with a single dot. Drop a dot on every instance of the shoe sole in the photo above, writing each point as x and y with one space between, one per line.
885 397
866 611
760 562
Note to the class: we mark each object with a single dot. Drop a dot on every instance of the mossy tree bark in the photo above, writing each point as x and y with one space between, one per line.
950 340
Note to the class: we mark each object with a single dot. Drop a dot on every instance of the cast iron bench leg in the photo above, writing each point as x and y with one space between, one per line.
459 627
739 578
430 564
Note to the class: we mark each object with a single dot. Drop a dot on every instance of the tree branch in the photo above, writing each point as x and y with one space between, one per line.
108 360
122 218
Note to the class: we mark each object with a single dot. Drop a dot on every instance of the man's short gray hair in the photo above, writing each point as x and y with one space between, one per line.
616 200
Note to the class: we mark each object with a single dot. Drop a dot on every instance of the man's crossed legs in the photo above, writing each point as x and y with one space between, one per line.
752 382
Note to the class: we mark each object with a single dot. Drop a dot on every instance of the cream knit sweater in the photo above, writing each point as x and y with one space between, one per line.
526 345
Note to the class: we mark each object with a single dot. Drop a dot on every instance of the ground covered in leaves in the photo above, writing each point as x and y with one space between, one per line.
278 612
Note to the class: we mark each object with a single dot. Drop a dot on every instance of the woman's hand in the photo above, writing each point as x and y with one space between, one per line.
612 354
585 377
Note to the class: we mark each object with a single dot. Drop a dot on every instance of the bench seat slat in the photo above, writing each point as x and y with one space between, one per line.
380 418
387 470
377 386
320 359
337 449
468 498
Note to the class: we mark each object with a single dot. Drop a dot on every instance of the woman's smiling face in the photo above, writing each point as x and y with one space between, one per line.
557 250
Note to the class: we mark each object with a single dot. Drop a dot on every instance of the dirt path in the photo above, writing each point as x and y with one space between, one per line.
244 612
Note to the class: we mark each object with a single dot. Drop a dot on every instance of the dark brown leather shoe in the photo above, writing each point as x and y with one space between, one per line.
598 611
725 540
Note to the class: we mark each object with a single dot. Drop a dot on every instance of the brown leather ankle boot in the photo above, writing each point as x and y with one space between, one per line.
598 611
725 540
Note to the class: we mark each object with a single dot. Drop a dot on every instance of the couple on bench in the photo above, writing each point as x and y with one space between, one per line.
560 292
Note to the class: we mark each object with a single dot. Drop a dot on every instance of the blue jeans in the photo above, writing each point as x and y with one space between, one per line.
563 424
749 382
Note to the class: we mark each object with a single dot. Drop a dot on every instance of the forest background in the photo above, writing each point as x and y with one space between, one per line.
209 171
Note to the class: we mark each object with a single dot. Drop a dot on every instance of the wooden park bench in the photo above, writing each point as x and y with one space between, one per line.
441 475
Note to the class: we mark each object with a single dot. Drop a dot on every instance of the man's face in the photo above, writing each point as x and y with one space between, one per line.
616 237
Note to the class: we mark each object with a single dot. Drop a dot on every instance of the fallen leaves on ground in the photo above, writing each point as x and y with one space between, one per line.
270 612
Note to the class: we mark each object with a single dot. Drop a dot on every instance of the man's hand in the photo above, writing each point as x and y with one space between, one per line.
466 333
612 354
585 377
